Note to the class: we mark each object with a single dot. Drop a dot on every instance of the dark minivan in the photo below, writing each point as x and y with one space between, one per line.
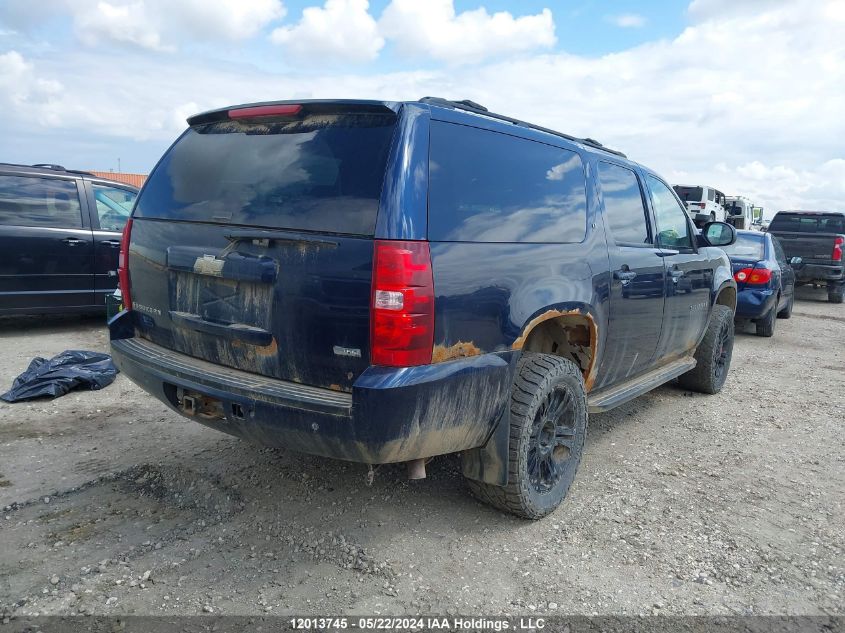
60 236
386 282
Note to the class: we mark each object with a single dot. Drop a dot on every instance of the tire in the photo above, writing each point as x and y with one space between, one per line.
713 355
834 295
766 325
787 309
544 449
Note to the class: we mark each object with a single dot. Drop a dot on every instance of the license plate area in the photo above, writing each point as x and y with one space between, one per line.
225 301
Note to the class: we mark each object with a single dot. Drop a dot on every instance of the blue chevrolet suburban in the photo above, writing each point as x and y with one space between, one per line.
385 282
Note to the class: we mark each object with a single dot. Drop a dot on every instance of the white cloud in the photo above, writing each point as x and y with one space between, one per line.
232 20
434 29
340 30
23 93
128 23
157 25
628 20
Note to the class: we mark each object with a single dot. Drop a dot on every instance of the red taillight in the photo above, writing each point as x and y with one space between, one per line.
268 110
753 276
402 308
123 266
837 249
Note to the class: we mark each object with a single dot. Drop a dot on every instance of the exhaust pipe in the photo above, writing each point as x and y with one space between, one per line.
416 469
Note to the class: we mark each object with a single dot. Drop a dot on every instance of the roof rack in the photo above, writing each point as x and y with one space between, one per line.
472 106
55 167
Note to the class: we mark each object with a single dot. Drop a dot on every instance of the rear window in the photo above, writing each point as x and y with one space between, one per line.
322 173
804 223
492 187
693 194
747 247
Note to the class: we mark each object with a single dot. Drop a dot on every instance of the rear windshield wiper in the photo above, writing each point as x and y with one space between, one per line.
263 238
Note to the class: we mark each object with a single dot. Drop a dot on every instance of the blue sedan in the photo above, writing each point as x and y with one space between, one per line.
765 280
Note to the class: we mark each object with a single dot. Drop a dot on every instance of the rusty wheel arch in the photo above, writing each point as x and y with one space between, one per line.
570 334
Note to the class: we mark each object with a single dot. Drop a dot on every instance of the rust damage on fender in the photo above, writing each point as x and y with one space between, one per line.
461 349
581 340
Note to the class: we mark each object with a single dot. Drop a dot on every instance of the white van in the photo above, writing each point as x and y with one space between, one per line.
704 204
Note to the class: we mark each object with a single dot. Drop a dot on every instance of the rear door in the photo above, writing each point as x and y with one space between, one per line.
46 243
787 273
252 241
637 283
689 275
109 208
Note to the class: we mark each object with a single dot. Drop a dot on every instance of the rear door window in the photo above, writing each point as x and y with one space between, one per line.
491 187
114 205
321 173
623 205
44 202
780 256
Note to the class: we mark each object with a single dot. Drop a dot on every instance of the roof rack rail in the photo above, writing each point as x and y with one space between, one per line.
472 106
49 166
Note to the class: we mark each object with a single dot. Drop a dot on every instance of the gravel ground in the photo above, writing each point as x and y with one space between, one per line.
684 504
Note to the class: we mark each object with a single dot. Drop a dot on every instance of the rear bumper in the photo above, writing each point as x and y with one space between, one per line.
754 304
819 272
392 415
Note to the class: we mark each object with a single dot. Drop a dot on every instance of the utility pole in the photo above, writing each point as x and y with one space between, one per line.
118 165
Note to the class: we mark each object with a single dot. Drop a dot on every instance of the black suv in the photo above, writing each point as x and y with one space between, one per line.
60 238
385 282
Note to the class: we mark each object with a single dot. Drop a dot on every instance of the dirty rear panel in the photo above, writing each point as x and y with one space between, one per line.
252 244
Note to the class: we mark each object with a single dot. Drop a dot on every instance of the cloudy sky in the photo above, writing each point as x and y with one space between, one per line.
744 95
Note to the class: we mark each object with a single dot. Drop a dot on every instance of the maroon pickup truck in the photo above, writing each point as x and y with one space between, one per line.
818 238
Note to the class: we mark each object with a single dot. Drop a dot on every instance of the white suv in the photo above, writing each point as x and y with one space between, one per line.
704 204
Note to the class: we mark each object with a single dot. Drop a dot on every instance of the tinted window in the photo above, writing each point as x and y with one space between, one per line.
779 254
804 223
689 193
672 227
31 201
623 204
490 187
113 206
747 247
320 173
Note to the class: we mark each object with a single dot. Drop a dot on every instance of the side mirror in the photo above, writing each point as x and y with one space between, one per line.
719 233
795 261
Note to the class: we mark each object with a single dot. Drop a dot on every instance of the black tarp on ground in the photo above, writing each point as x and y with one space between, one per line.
72 369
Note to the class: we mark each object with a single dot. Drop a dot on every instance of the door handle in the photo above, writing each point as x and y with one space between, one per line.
624 275
111 243
72 241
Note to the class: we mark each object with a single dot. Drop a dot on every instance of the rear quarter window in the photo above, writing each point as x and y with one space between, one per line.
491 187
